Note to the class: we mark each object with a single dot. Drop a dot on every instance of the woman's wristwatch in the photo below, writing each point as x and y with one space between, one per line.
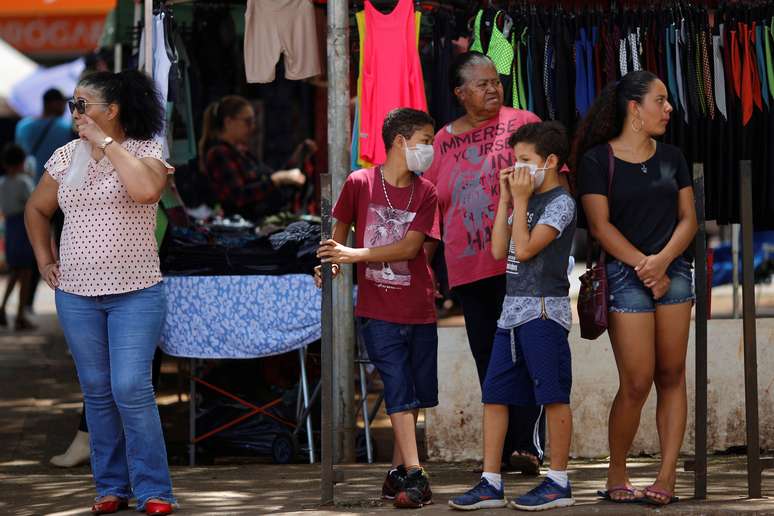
107 141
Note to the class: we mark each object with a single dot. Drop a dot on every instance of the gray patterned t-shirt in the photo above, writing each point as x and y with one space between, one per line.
540 287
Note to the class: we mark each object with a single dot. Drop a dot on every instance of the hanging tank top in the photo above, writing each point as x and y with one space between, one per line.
519 92
500 49
392 73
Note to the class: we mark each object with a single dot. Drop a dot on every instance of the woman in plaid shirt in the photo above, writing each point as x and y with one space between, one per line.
239 182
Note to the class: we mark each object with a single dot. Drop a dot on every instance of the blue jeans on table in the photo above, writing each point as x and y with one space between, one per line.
112 340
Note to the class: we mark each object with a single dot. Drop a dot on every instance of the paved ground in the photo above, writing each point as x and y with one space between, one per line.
267 489
39 399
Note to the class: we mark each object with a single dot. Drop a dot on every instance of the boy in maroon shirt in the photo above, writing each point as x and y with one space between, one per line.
393 211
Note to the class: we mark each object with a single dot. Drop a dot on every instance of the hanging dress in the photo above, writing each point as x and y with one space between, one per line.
392 73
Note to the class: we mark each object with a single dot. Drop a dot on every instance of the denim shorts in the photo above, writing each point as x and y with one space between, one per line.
406 356
627 294
530 365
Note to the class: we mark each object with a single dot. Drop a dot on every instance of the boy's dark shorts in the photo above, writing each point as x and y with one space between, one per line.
406 356
530 365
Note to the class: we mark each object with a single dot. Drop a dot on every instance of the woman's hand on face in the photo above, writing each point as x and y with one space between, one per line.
50 274
521 185
651 269
293 177
505 187
89 130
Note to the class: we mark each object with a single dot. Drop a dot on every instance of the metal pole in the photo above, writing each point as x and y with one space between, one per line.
700 321
137 16
118 57
364 410
305 392
326 398
192 413
148 18
338 167
750 343
735 269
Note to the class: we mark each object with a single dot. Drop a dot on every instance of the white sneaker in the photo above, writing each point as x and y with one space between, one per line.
78 453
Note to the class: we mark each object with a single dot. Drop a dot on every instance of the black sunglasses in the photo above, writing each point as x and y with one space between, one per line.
81 105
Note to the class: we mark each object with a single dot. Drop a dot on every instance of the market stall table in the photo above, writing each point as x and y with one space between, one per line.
233 317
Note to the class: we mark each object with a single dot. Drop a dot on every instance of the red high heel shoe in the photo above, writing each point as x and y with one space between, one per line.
158 508
109 506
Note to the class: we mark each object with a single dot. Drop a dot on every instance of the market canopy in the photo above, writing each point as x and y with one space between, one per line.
53 26
26 96
16 66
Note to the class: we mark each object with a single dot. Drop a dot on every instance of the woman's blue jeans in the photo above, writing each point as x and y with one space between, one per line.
112 340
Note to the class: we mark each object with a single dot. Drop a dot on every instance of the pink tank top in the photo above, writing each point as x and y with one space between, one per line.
392 73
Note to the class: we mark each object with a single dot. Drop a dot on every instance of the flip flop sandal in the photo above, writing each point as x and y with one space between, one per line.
527 464
650 491
608 494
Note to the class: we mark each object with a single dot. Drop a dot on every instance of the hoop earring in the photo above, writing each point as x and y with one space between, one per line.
637 129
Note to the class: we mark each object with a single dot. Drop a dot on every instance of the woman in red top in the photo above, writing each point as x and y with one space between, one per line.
469 153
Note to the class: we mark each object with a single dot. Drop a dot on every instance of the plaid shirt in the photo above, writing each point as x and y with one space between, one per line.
241 183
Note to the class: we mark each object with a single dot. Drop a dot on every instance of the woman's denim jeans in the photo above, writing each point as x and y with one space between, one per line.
112 340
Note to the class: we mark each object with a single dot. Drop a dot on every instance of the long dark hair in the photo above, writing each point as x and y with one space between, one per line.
141 114
605 120
215 115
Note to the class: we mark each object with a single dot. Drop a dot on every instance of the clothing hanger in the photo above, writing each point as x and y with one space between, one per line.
431 5
387 6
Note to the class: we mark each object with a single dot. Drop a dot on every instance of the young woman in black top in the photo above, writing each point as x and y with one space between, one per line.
645 223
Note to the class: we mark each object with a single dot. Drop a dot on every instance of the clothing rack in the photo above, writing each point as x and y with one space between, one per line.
387 6
609 5
208 3
563 58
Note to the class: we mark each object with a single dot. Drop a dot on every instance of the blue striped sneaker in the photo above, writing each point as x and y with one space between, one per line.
548 495
483 496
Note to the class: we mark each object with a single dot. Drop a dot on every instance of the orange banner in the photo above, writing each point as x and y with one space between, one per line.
53 34
54 7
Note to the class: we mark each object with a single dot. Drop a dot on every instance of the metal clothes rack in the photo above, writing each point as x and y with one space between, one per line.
755 465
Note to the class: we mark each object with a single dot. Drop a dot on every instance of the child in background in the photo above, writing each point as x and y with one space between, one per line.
15 188
530 361
393 211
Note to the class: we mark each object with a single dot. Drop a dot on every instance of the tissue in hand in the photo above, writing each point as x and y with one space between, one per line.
79 165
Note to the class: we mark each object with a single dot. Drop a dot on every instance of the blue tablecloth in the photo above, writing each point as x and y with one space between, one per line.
240 316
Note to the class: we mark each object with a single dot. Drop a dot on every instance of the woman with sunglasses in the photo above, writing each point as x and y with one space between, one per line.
109 297
241 184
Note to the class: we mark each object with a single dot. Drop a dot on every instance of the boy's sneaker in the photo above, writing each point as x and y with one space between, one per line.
393 483
415 492
483 496
548 495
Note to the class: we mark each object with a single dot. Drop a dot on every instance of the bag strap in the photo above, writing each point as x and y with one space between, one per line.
42 136
610 173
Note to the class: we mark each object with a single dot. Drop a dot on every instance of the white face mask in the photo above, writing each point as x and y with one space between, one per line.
538 173
419 158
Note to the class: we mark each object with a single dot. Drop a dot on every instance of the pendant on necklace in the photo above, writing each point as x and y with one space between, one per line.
643 168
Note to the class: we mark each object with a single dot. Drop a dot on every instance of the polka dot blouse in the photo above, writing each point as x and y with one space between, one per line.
108 244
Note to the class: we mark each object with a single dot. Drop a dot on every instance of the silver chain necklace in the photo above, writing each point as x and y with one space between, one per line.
384 188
